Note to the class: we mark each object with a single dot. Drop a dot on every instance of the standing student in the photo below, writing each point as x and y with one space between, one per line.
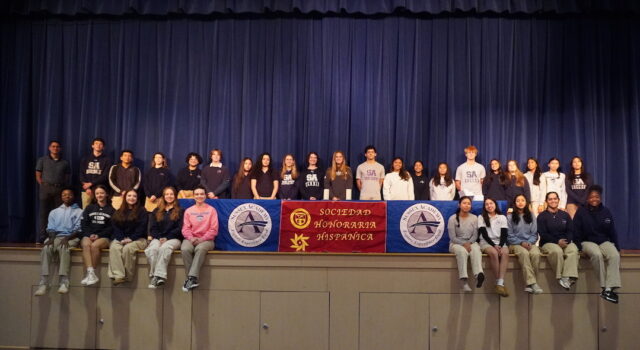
93 170
189 177
123 177
556 234
129 236
310 181
441 186
63 229
338 181
522 237
288 188
494 184
493 228
199 229
469 175
241 187
96 232
537 185
556 182
156 178
463 234
577 183
516 184
597 237
166 231
398 184
420 181
264 180
52 175
370 175
215 177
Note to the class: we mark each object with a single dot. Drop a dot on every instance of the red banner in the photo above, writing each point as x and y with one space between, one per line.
328 226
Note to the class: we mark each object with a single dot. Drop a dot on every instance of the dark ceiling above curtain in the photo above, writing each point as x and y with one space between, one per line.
364 7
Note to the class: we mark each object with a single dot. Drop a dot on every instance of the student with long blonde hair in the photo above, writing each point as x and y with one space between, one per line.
338 181
288 188
516 184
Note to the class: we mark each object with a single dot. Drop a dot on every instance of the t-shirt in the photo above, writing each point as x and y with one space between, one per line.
470 176
370 175
264 182
498 222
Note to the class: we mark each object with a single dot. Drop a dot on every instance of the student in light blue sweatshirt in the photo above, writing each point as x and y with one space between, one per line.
522 236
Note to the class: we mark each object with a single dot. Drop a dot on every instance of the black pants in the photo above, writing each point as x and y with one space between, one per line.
49 200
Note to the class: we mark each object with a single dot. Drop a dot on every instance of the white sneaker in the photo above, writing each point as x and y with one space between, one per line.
466 288
84 280
42 290
91 279
565 283
536 289
64 287
529 289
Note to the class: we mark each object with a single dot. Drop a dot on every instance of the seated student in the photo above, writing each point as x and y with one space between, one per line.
189 177
537 185
310 181
596 235
577 183
516 184
288 188
166 230
241 188
338 181
522 237
199 229
369 175
556 233
63 228
398 184
470 175
556 182
264 180
93 170
129 236
420 182
492 227
123 177
494 184
441 185
156 178
463 234
96 232
215 177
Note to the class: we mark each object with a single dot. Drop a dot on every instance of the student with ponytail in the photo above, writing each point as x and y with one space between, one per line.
463 234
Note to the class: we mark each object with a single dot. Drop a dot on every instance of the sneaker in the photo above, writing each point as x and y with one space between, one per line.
190 283
118 281
42 290
609 296
529 289
92 279
153 283
466 289
565 283
84 280
502 291
64 287
536 289
160 281
479 280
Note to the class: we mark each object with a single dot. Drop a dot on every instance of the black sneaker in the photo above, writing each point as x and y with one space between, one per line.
609 296
479 280
190 283
160 281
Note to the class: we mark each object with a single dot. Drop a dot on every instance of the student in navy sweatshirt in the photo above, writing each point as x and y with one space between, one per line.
577 183
311 179
156 178
556 235
216 177
94 168
189 177
241 188
597 237
516 184
288 188
495 182
96 232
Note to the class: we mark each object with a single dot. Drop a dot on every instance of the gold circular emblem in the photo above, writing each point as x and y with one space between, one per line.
300 218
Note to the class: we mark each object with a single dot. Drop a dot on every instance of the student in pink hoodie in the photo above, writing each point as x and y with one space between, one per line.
199 229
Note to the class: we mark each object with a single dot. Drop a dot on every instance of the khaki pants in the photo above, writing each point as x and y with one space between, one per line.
609 272
116 202
86 199
122 258
563 261
49 253
461 258
185 194
149 205
159 255
529 260
193 257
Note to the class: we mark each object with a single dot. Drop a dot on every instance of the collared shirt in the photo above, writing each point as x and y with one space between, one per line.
53 171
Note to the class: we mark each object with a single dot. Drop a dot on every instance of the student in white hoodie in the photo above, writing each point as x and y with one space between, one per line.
537 185
398 184
556 182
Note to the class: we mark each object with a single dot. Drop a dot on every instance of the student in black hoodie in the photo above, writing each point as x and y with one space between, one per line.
596 236
494 184
241 188
189 177
96 232
311 179
94 168
156 178
577 183
166 231
215 176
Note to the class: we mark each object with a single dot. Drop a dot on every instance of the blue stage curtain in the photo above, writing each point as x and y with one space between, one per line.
418 87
